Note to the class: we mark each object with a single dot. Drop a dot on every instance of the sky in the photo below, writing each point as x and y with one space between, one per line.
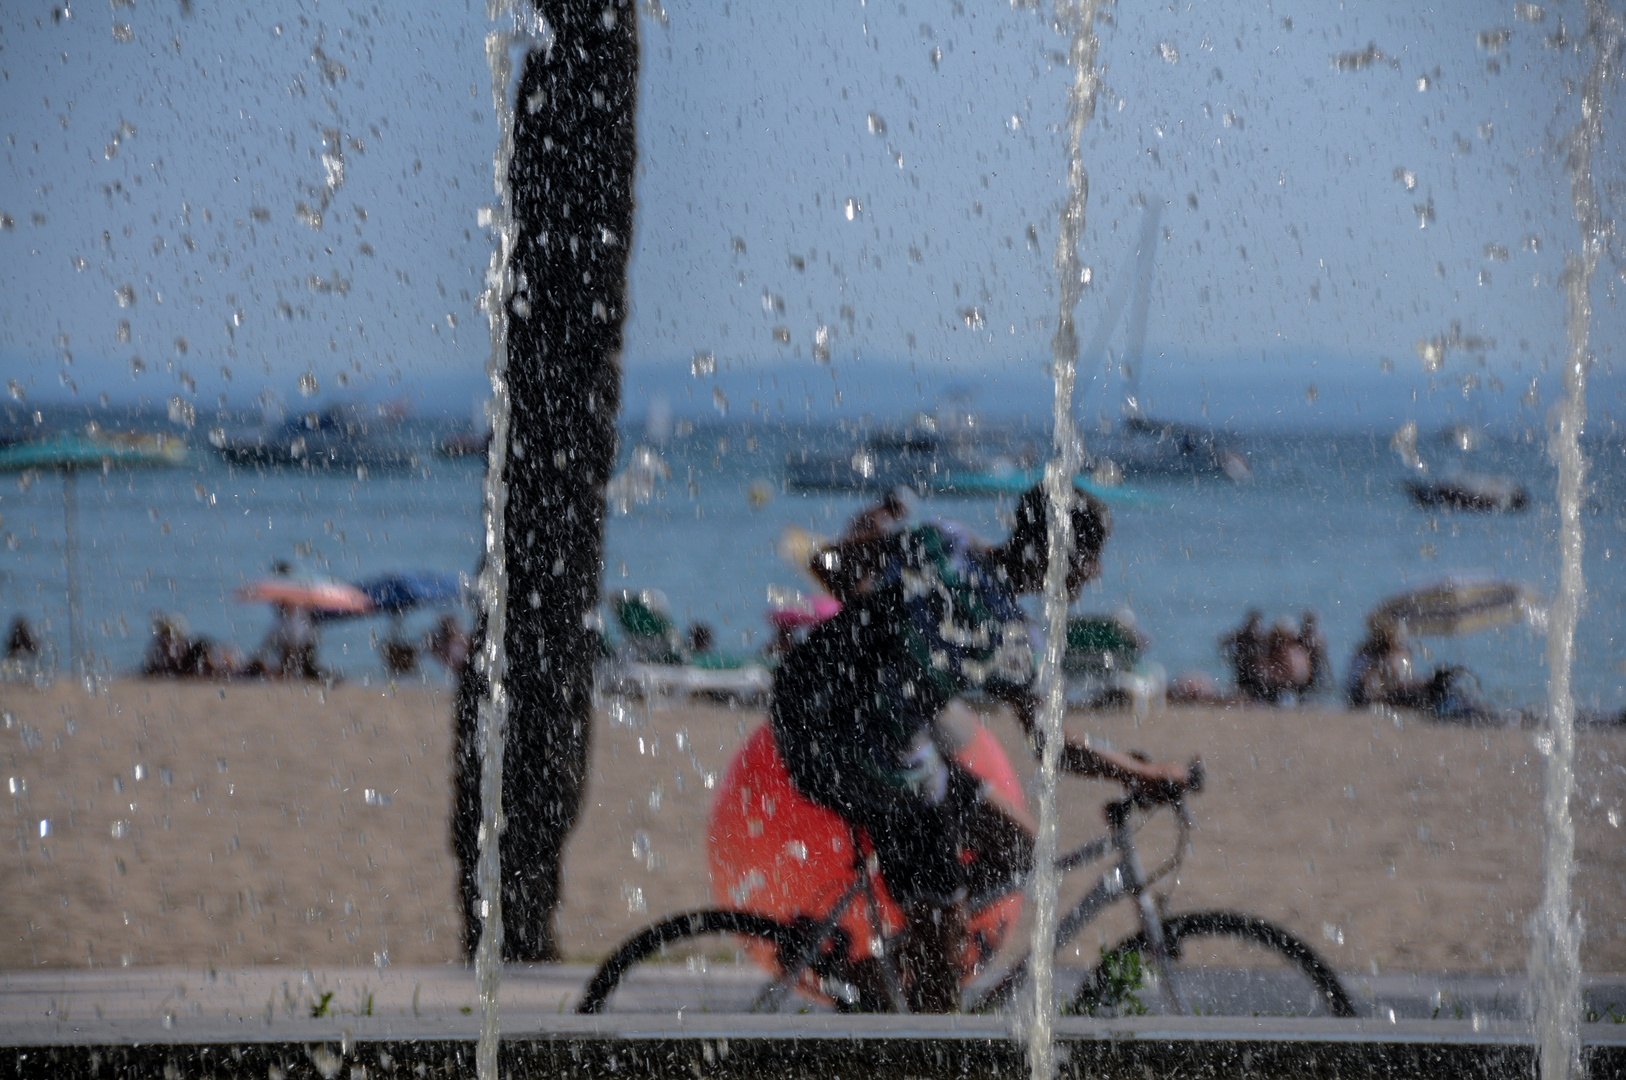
206 200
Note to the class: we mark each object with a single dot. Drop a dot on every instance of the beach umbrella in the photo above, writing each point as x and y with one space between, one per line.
1461 604
68 452
404 591
318 594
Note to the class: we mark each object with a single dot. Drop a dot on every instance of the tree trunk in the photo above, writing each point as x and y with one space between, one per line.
571 178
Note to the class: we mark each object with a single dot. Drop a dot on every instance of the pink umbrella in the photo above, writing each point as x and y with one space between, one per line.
804 612
316 594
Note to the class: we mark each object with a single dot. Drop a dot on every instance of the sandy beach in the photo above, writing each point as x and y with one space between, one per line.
243 825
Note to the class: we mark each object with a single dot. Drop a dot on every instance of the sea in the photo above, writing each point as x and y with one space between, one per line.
1323 525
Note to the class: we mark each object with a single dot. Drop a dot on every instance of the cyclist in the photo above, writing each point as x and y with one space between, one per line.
929 614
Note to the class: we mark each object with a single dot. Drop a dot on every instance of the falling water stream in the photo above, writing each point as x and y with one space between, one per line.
1555 958
516 24
1078 20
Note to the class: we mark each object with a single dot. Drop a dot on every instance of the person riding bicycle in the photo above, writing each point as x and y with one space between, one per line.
930 614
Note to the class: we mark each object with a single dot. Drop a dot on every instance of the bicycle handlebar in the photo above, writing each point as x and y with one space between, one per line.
1145 796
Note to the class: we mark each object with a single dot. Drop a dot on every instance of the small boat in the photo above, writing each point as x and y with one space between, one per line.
338 437
1468 491
1144 448
460 444
917 456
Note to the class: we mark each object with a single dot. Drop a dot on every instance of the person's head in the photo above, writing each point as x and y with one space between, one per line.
1025 553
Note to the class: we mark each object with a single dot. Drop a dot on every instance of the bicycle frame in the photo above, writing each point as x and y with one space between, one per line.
1126 878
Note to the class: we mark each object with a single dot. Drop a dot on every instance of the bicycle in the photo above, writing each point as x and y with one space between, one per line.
856 972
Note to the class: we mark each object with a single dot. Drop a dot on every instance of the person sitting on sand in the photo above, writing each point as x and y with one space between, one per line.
1315 647
289 649
1383 672
173 653
1244 649
927 615
448 644
1286 667
20 642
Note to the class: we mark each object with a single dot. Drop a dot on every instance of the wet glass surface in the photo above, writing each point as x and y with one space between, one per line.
1323 340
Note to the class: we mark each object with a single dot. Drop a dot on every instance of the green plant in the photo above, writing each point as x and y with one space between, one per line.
320 1008
1611 1012
1115 990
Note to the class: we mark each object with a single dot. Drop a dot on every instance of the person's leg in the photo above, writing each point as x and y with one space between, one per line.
927 960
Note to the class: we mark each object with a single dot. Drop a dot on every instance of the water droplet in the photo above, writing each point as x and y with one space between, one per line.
821 345
182 412
17 394
122 33
374 797
972 317
853 209
1407 178
720 400
1168 52
45 828
1530 13
704 363
120 830
307 384
125 295
936 56
781 334
1492 41
877 126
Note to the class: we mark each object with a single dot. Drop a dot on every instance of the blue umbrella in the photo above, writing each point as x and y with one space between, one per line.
400 592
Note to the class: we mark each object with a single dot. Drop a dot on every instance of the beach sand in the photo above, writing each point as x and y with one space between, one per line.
301 826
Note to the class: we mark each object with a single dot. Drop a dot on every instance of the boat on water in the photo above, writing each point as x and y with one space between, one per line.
342 437
1470 491
1142 448
919 456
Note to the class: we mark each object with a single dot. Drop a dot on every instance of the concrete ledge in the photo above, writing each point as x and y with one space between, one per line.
257 1023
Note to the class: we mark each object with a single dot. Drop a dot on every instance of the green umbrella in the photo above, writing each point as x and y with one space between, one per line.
94 449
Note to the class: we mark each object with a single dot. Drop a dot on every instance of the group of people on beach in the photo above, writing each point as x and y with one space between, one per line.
289 650
1288 658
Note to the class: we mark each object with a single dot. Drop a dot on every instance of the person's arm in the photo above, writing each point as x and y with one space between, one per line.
1081 760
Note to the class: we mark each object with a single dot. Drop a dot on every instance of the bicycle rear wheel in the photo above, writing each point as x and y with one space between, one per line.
1224 963
703 960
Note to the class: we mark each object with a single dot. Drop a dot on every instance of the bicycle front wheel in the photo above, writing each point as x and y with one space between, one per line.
723 961
1224 963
